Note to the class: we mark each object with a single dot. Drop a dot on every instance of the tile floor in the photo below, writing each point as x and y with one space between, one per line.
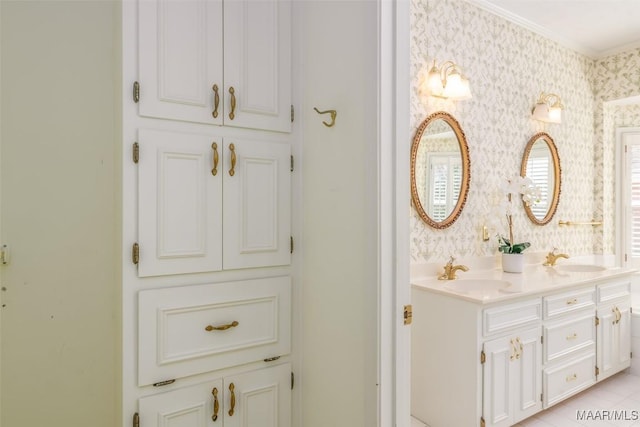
620 395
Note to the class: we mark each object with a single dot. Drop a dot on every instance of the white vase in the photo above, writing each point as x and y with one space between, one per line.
512 263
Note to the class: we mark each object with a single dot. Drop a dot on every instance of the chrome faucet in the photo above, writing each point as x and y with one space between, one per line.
552 257
450 270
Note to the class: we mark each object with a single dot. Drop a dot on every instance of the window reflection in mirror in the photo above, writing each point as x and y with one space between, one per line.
542 165
439 170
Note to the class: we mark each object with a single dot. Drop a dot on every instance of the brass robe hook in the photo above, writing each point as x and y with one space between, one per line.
333 113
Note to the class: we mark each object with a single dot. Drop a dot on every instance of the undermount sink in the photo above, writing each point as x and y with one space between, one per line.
580 267
478 287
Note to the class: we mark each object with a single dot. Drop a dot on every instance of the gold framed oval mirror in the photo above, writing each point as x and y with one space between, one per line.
440 170
541 164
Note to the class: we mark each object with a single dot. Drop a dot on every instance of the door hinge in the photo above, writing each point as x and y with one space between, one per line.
541 339
483 357
291 244
4 254
136 92
482 422
597 371
408 314
292 113
597 321
272 359
135 253
293 380
291 163
136 152
136 420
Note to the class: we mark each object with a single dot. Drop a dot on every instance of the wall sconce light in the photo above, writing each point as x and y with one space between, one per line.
446 81
548 108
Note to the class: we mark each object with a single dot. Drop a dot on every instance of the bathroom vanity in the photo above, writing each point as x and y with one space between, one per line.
493 348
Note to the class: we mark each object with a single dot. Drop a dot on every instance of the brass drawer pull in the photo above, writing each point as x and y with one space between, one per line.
216 159
210 328
216 101
233 399
232 113
521 348
216 404
572 301
572 337
232 148
572 377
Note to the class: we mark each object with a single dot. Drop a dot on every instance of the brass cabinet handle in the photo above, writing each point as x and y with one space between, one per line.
232 114
513 351
571 377
232 148
521 348
233 324
233 399
572 337
572 301
216 158
216 404
618 315
216 101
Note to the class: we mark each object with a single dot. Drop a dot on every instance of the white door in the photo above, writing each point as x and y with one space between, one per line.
180 59
497 402
257 64
528 377
257 203
179 203
260 398
193 406
605 338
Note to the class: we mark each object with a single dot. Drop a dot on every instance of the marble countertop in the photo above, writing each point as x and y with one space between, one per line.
494 285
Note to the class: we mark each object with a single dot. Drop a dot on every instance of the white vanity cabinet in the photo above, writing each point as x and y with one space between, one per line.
207 203
216 62
259 398
614 328
505 356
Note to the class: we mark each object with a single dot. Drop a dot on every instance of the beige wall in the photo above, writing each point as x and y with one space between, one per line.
335 59
59 318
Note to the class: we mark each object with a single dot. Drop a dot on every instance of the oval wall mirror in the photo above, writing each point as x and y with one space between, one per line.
439 170
541 164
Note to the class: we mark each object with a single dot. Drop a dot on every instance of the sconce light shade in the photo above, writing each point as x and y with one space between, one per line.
446 81
546 112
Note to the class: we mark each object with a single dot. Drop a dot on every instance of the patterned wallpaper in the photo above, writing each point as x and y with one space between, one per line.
508 67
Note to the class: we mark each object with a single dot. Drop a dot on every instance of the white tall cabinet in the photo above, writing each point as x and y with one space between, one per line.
206 213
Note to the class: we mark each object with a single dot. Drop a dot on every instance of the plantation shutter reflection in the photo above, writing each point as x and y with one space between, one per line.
445 182
635 200
539 170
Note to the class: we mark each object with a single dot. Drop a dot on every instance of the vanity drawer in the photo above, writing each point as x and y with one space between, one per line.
612 291
568 379
559 304
193 329
509 316
562 339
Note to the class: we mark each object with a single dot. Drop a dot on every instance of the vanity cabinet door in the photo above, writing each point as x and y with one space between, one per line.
614 338
512 378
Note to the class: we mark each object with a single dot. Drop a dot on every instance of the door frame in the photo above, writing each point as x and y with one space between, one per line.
393 212
621 193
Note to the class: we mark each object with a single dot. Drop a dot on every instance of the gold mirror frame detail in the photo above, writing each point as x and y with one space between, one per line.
466 167
553 206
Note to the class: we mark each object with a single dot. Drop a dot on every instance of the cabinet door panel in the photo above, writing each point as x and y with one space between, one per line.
180 58
257 63
262 398
528 370
179 210
606 342
186 407
624 336
497 401
257 205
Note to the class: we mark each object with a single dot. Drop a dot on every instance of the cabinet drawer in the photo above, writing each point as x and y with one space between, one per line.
562 339
509 316
556 305
193 329
569 378
613 291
